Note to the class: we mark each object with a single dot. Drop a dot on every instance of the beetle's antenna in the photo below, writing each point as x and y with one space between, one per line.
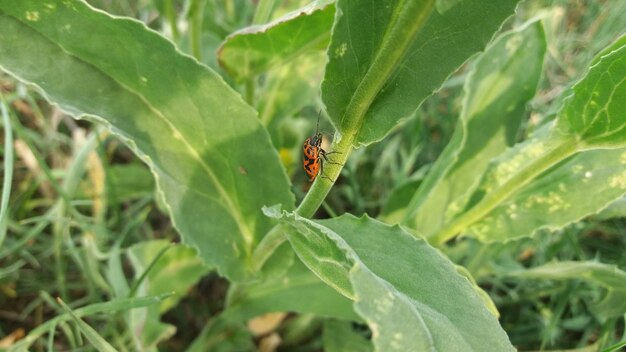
317 128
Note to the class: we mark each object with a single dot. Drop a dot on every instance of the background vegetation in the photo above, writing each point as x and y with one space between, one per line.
84 223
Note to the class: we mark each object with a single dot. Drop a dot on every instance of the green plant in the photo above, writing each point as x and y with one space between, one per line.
219 176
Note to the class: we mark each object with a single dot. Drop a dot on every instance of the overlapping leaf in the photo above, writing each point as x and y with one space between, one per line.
287 286
596 111
256 49
165 268
531 186
410 295
502 81
386 57
559 197
214 164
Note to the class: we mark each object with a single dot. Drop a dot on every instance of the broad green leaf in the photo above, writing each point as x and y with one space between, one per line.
504 78
445 5
595 113
213 161
339 336
610 277
545 181
256 49
409 294
559 197
287 286
386 57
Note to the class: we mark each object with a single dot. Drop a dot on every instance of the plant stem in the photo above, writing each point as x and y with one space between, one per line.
250 87
263 11
514 184
171 18
196 11
410 19
267 246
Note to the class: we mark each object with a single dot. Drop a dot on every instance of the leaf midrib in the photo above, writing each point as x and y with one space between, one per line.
247 235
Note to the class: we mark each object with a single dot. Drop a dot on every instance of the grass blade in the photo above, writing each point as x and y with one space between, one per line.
104 307
90 333
8 171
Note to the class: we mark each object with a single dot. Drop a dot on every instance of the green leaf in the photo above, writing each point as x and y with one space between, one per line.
409 294
610 277
395 207
213 161
445 5
617 209
339 336
616 347
489 303
504 78
534 185
256 49
385 58
287 286
129 181
557 198
595 113
616 45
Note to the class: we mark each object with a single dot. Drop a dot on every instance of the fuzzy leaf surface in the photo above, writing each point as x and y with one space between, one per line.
287 286
383 63
409 294
213 162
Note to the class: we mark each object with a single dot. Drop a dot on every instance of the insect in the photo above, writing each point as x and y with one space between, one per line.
312 150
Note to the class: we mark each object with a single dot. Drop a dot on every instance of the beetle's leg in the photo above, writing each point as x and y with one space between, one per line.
324 154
